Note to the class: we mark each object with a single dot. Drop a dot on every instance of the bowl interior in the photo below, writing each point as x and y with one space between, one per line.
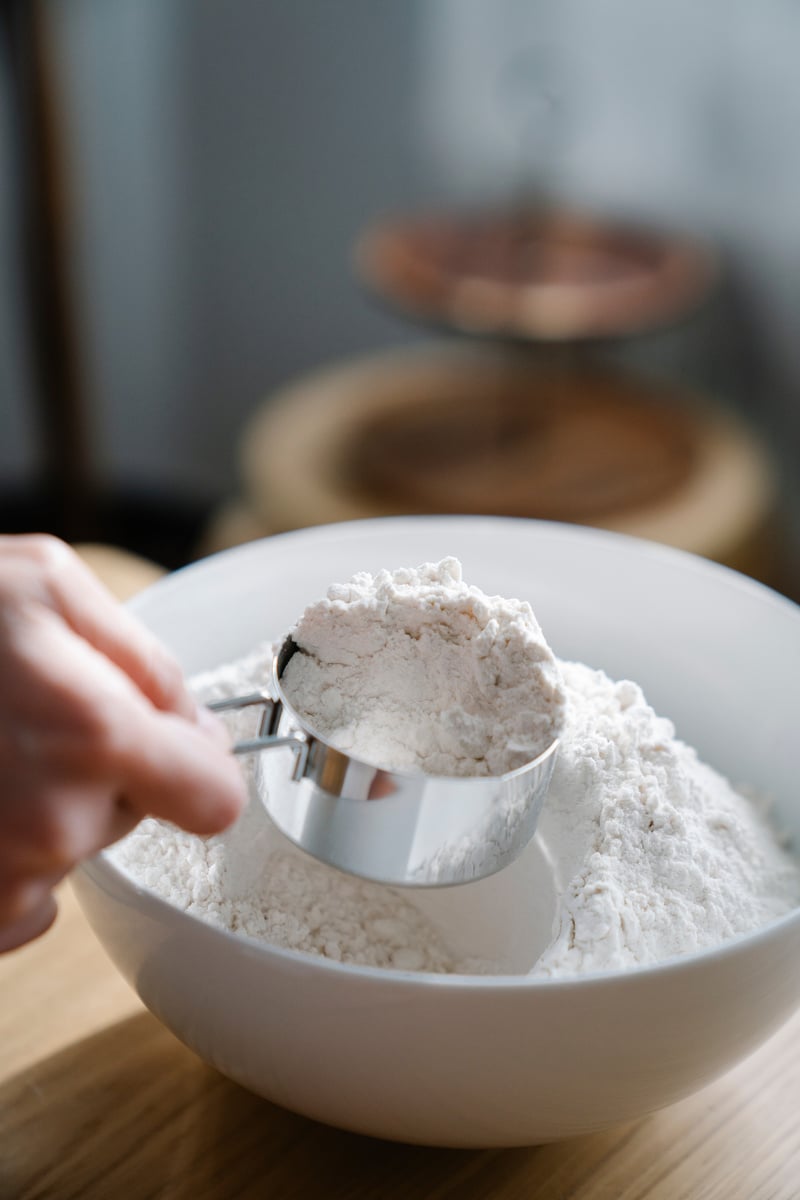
717 653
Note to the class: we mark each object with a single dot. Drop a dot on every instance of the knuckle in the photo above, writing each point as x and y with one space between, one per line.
170 675
47 551
104 737
53 562
165 678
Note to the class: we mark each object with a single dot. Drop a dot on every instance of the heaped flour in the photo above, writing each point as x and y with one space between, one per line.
415 668
655 853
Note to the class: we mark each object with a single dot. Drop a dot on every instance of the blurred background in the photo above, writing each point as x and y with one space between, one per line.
185 186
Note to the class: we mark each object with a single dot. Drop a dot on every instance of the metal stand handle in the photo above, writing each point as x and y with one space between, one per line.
266 738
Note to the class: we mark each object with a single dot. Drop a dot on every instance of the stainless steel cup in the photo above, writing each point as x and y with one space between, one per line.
397 827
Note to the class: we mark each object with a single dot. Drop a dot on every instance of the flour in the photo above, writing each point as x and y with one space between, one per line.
657 854
414 668
654 853
251 882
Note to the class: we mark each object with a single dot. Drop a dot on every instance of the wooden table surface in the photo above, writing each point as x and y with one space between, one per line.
99 1102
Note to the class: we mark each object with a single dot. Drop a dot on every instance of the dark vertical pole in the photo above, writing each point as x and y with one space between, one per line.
45 292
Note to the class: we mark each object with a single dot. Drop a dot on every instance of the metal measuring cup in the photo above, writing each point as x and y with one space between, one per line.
397 827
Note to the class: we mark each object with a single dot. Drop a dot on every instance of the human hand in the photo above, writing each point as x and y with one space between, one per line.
97 730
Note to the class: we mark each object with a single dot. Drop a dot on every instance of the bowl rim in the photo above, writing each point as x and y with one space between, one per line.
104 872
347 530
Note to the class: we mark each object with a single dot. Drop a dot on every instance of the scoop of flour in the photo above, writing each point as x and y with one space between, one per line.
415 668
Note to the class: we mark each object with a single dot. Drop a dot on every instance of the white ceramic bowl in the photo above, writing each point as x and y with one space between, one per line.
475 1061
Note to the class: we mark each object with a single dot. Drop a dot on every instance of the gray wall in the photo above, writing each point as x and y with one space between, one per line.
225 155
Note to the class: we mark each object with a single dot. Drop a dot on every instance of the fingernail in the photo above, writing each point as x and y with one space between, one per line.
213 726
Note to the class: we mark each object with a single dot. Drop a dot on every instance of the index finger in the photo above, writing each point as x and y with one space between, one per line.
173 771
86 605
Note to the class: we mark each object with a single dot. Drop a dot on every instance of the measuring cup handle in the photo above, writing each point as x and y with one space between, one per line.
266 738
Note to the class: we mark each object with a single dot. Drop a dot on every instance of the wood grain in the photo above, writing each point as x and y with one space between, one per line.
99 1101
